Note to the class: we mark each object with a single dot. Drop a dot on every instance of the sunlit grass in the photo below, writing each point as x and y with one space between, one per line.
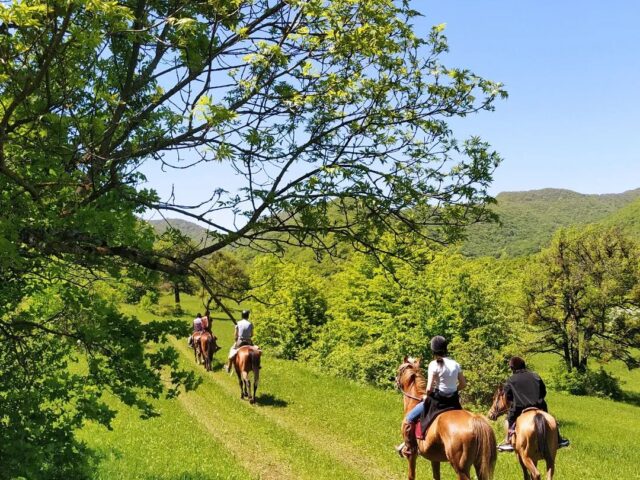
308 425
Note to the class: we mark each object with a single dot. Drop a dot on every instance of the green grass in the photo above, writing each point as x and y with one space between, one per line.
307 425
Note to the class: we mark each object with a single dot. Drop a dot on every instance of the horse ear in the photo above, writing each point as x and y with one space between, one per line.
418 361
405 359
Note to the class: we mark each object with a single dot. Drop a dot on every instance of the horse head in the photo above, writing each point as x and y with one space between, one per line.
499 405
407 372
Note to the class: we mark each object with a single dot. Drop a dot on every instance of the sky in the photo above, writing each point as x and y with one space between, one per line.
572 70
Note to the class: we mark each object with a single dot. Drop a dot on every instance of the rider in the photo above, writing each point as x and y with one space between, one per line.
524 389
444 380
206 321
243 336
197 327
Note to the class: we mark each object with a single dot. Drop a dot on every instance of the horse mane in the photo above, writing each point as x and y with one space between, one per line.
419 380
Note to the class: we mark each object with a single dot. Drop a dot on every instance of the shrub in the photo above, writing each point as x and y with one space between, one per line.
598 383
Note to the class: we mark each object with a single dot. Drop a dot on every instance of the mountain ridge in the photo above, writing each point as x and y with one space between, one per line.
528 219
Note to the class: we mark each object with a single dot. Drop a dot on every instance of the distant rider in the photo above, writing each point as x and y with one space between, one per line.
243 335
444 380
524 389
197 328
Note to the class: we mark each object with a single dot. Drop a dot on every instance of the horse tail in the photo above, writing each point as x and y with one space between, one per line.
542 430
486 452
255 360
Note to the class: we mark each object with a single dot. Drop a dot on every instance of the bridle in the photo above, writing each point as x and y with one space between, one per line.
399 386
494 413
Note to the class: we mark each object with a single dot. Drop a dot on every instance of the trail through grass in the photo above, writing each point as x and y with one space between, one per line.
311 426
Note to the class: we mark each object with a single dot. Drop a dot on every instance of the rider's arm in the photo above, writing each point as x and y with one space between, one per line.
235 333
543 390
462 382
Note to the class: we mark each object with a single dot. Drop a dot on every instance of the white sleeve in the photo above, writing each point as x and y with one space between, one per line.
431 374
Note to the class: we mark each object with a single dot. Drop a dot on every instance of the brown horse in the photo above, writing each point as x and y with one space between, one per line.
457 436
208 347
248 360
197 351
536 437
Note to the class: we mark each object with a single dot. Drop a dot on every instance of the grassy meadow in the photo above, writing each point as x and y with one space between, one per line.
307 425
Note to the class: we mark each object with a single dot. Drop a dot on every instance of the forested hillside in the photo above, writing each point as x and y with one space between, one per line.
529 219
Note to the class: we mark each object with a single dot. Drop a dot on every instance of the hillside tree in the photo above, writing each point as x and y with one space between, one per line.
583 296
332 113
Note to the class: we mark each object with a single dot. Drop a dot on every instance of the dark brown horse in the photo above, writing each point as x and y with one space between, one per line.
459 437
247 360
536 437
208 347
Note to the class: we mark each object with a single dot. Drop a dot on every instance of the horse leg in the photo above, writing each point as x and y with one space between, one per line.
412 466
245 382
241 383
550 471
256 377
435 468
532 468
525 472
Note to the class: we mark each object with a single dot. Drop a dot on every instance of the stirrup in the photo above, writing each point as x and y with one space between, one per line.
404 451
505 447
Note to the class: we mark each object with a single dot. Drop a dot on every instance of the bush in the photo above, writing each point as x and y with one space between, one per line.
149 300
599 383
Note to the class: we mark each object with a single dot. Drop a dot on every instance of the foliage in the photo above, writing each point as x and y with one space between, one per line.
312 105
598 383
376 319
292 307
583 295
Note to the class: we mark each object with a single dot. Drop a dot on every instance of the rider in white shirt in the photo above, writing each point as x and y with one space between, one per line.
243 335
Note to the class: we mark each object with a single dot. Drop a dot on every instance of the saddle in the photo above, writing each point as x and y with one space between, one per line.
437 403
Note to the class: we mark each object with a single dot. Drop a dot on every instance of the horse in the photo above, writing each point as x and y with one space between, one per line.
197 351
536 436
459 437
247 359
208 347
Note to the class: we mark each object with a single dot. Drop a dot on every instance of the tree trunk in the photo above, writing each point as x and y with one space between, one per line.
176 293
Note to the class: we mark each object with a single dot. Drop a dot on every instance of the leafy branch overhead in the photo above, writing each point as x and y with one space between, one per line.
334 114
331 115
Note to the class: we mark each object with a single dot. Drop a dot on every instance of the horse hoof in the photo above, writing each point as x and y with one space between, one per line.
252 401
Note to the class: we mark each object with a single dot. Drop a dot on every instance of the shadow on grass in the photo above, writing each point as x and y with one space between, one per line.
183 476
632 398
271 401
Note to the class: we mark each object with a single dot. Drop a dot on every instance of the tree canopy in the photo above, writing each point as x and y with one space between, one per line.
583 295
333 114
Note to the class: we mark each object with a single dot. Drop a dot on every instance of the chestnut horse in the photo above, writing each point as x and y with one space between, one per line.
247 360
208 347
536 437
459 437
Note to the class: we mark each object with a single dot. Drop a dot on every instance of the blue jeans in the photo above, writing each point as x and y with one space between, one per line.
415 413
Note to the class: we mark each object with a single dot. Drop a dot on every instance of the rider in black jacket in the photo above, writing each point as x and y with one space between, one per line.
524 389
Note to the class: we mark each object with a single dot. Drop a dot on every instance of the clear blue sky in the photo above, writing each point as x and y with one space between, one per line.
572 69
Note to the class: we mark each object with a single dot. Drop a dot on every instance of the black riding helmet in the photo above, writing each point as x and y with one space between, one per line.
245 314
439 345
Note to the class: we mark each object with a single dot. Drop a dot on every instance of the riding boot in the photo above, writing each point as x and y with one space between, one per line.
410 444
562 442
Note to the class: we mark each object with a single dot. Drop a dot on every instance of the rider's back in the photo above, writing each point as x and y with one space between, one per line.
525 389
